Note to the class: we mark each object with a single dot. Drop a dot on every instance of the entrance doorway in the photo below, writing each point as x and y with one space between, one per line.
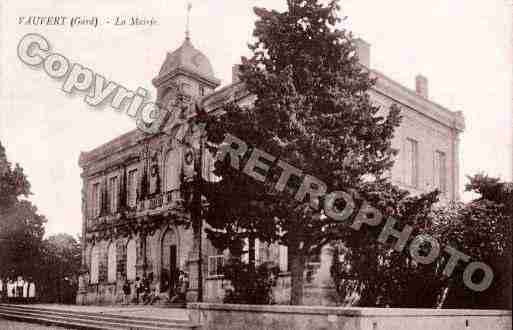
169 274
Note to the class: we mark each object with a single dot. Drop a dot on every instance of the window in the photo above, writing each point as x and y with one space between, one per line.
132 188
186 88
261 252
202 91
245 251
95 264
440 171
95 200
173 169
412 163
113 194
111 263
131 259
215 265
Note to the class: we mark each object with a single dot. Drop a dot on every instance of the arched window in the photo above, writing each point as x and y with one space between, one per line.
131 259
173 167
111 263
95 264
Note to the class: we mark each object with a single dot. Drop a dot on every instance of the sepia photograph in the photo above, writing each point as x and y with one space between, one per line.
256 164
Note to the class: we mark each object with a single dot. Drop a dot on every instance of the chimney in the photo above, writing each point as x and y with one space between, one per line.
421 85
235 73
363 51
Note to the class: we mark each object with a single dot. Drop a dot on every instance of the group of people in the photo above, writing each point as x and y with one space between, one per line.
18 290
142 290
147 295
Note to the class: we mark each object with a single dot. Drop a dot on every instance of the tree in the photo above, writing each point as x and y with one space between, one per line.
372 274
60 265
482 229
312 111
21 227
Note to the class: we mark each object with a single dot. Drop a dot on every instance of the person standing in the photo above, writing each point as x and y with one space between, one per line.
32 291
25 291
126 292
9 289
19 288
137 289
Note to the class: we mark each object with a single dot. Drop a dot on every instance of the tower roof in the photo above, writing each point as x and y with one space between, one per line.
189 60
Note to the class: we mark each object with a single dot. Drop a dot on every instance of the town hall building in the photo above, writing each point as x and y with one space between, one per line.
133 207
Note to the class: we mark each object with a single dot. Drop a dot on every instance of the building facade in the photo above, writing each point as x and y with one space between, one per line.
133 201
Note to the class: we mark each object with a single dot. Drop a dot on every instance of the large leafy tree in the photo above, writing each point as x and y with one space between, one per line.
59 267
312 111
21 226
482 229
369 273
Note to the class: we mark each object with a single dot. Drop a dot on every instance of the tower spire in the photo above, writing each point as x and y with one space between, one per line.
187 31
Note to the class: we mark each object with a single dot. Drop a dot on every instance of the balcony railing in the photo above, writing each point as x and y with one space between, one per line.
166 199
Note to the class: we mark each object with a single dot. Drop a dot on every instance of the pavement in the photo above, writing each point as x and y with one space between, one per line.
11 325
132 310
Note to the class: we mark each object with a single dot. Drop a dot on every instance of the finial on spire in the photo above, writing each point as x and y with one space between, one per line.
187 32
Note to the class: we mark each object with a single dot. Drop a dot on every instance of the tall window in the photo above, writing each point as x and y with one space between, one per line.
95 264
261 252
131 259
215 265
111 263
412 162
440 171
113 194
173 166
95 200
132 188
202 91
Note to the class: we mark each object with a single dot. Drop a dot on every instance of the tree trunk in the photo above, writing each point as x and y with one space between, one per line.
297 268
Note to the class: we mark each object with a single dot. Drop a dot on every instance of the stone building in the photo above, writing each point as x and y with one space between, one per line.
132 202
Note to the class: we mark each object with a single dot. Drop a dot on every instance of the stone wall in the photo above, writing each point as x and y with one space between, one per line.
273 317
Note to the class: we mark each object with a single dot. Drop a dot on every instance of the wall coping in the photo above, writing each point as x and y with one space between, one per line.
348 311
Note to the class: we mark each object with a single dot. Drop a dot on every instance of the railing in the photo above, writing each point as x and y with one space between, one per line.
173 196
167 198
156 201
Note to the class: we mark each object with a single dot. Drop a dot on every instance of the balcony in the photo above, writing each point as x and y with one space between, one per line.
167 200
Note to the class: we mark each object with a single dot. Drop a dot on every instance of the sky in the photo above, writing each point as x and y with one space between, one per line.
463 47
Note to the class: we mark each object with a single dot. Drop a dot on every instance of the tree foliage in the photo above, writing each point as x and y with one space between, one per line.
60 265
249 286
23 251
368 273
312 111
21 226
482 229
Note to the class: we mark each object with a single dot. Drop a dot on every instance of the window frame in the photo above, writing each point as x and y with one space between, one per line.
412 177
213 267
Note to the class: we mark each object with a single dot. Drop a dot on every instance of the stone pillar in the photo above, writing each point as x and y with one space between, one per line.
83 277
456 165
323 282
141 255
193 266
